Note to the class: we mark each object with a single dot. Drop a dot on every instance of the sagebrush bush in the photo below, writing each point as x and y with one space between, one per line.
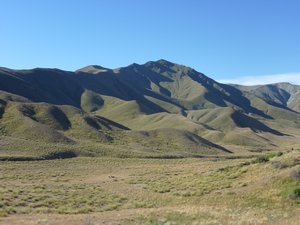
261 159
279 165
295 174
295 193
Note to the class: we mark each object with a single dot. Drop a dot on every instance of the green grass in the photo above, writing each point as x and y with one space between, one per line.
291 190
91 101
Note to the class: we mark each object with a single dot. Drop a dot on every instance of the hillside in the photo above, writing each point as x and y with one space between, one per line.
157 108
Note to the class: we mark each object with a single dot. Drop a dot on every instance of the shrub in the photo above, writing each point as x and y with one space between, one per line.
274 154
261 159
295 193
60 155
295 174
279 165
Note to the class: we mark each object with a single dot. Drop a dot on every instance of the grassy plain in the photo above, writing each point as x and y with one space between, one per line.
94 190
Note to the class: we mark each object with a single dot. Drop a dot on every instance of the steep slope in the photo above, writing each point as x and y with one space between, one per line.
183 86
42 85
94 108
294 102
281 95
67 88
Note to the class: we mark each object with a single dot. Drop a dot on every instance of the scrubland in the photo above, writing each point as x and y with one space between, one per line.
105 190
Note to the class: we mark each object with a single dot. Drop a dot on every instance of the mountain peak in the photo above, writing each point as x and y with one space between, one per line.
165 62
92 69
159 63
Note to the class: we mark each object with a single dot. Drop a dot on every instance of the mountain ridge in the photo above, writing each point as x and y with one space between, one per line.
156 95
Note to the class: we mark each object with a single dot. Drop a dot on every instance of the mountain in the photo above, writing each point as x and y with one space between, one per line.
284 95
157 108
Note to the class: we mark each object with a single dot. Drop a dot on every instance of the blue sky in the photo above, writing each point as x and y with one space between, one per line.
228 40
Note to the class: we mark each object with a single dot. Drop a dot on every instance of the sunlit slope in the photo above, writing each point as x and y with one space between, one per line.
31 125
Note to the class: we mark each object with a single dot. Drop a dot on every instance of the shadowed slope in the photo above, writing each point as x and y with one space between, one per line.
280 95
42 85
53 123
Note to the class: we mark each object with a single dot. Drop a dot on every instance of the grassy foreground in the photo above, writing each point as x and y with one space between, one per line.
86 190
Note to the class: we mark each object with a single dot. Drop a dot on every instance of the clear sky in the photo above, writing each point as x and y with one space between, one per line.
228 40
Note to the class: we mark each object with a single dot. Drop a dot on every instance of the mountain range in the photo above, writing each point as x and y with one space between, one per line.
155 109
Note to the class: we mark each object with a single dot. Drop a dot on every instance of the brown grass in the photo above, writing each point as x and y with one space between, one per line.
149 191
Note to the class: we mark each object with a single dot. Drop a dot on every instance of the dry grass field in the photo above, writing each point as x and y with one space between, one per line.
87 190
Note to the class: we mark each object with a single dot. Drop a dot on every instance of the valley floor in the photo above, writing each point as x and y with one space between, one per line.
151 191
